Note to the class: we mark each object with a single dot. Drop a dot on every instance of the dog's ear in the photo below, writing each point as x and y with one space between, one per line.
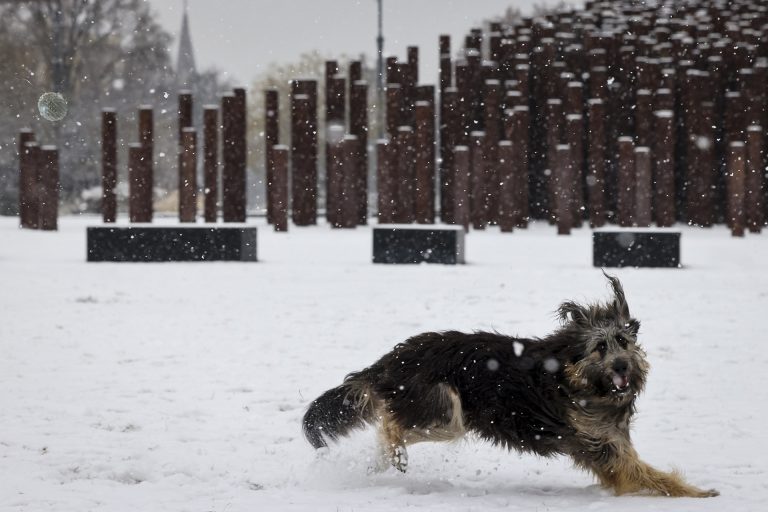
570 311
619 300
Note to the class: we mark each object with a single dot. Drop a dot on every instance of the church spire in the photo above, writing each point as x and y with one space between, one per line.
186 72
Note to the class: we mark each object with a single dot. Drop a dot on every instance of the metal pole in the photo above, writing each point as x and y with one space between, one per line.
380 77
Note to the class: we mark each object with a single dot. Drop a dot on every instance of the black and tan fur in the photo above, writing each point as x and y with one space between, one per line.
571 393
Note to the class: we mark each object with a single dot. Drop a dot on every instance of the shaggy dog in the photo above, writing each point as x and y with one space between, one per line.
572 393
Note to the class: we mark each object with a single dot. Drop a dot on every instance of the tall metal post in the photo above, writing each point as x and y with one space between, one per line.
380 76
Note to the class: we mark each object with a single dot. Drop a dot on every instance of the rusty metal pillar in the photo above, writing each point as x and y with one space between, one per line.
140 183
304 151
575 139
188 175
563 180
462 174
596 168
26 178
521 128
29 184
184 112
394 103
334 174
477 199
358 126
450 125
664 168
735 187
279 195
386 161
271 139
643 186
404 172
625 186
210 162
108 165
753 182
506 174
425 162
348 217
49 187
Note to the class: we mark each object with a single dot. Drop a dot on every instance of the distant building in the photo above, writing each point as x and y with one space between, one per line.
202 85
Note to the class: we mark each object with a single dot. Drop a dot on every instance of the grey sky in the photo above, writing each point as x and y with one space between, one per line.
241 37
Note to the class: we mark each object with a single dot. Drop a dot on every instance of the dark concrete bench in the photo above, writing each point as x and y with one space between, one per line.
171 243
636 248
414 243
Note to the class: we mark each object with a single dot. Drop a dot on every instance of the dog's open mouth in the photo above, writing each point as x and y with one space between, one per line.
621 382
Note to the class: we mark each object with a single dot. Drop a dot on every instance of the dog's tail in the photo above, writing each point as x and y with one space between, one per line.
340 410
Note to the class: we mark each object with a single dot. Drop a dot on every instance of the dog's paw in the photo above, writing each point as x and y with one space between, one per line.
400 459
709 493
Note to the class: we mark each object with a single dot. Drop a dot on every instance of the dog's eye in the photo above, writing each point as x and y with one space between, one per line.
622 341
602 347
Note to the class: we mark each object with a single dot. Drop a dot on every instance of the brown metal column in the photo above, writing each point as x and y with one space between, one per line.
210 162
563 179
358 126
184 112
279 195
49 188
26 178
664 168
477 191
753 197
404 172
139 183
625 186
386 158
350 178
735 186
596 168
108 165
271 138
462 174
643 187
188 175
425 162
521 128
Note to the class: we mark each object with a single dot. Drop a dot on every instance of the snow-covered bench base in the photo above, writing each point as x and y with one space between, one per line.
164 243
636 248
409 243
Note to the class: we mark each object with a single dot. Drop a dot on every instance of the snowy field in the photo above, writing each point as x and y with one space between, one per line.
181 387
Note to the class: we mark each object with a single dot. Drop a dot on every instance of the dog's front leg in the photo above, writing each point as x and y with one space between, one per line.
622 471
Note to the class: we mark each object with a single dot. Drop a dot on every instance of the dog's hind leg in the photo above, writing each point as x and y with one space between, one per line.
392 439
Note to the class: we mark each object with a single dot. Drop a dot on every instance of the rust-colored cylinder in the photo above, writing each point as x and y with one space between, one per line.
334 175
184 112
478 198
108 165
279 195
271 138
385 180
358 126
507 191
462 174
210 162
574 103
304 151
29 183
596 171
26 177
188 175
49 188
355 71
450 126
664 168
563 178
521 131
492 121
393 105
555 122
575 139
348 217
753 181
404 172
425 162
233 178
643 186
625 182
735 181
140 183
644 117
146 129
335 115
445 62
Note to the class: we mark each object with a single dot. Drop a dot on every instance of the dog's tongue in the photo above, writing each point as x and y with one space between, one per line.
620 381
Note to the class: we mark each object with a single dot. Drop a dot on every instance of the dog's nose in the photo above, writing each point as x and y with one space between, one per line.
620 366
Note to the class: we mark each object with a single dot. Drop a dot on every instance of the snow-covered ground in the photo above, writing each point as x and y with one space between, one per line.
127 387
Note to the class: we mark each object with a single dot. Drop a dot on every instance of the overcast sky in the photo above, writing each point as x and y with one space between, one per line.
241 37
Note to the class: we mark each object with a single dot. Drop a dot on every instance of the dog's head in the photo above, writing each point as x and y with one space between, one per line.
608 362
